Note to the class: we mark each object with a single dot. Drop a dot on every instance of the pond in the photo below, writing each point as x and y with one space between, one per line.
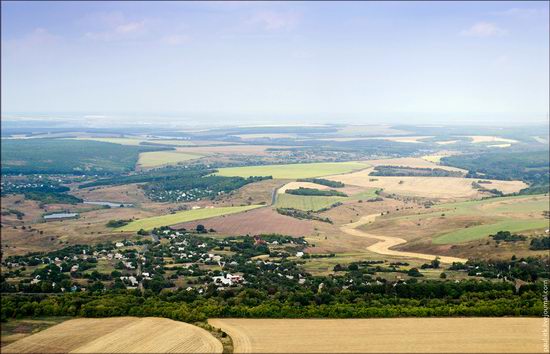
111 204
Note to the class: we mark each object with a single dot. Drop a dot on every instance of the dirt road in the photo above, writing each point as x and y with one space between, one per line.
387 242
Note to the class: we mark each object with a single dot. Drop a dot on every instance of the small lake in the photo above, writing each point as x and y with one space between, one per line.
60 216
111 204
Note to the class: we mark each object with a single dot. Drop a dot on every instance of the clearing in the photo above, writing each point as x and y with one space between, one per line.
294 171
183 216
386 335
119 335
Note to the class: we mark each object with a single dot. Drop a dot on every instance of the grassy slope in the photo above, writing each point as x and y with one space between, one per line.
481 231
489 207
293 171
183 216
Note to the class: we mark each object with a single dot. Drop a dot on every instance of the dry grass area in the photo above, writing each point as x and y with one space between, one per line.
391 335
128 193
254 222
119 335
427 187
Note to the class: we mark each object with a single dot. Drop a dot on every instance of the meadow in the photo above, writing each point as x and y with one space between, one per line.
183 216
294 171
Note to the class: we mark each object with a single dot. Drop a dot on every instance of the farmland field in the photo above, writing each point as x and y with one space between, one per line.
303 202
118 334
161 158
183 216
293 171
399 335
247 224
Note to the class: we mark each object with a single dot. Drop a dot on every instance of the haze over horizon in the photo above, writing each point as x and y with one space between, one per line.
264 62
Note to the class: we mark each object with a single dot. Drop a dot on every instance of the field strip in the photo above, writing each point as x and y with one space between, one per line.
384 335
387 242
241 340
119 335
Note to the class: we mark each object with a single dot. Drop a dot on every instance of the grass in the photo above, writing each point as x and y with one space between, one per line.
294 171
183 216
481 231
160 158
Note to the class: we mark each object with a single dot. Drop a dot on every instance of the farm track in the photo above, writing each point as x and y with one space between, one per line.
387 242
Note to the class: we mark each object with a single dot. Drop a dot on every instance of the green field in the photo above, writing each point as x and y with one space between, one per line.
315 202
294 171
306 202
161 158
482 231
183 216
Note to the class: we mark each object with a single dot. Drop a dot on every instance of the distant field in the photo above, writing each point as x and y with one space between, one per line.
161 158
388 335
119 335
183 216
293 171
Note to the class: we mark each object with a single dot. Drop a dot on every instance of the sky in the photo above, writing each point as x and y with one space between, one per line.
360 62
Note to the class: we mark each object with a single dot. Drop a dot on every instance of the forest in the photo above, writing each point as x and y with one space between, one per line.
43 156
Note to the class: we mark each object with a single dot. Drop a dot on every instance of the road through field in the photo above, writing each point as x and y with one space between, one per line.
387 242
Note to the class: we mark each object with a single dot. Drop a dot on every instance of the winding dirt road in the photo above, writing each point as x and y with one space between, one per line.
387 242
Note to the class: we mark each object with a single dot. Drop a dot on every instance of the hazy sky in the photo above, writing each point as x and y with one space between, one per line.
346 60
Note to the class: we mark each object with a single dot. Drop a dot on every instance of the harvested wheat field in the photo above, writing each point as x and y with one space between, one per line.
253 222
119 335
388 335
428 187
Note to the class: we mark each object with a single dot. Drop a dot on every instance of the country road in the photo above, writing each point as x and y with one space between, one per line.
387 242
